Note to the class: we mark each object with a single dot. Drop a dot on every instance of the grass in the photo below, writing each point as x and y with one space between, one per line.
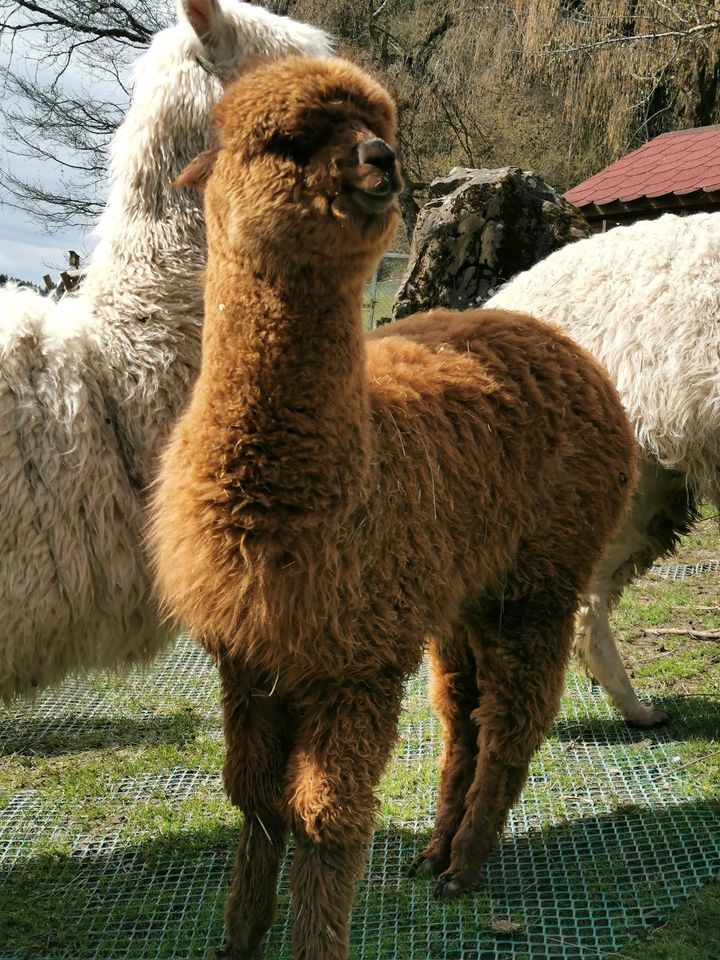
691 933
116 838
680 665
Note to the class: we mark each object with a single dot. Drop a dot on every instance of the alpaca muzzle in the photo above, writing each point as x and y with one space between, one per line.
378 176
377 153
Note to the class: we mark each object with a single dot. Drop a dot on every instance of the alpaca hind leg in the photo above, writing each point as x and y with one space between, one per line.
342 747
521 648
662 511
454 693
258 739
596 647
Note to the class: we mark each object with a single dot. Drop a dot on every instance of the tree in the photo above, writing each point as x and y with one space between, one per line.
5 279
65 69
627 70
425 51
559 86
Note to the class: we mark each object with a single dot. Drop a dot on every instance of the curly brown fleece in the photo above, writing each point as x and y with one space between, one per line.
329 504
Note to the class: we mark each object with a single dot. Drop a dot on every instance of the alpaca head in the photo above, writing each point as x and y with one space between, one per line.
230 35
306 171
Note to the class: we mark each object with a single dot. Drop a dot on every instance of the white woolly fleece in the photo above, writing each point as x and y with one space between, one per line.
90 387
645 301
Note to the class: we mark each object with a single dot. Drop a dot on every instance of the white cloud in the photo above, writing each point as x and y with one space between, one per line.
27 254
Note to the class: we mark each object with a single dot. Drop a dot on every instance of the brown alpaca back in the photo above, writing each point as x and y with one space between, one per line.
504 451
496 443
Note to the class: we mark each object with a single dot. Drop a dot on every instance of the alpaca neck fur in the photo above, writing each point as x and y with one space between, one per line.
287 355
143 291
142 287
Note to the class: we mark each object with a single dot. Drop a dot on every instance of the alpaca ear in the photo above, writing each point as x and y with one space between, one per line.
204 16
196 173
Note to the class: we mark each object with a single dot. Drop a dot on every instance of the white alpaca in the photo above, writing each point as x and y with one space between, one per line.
645 300
90 387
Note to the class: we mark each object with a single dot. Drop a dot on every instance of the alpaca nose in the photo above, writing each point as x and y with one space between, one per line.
377 153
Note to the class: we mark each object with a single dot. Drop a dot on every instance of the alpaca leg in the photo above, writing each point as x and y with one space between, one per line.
258 740
596 647
662 511
521 651
342 748
454 694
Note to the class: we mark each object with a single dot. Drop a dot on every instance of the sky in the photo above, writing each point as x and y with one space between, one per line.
26 250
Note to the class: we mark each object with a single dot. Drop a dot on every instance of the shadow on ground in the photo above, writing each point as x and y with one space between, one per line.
571 891
78 732
690 717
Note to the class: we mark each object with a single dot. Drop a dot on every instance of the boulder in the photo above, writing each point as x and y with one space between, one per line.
480 228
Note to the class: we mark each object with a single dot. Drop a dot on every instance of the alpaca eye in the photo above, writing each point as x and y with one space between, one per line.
297 149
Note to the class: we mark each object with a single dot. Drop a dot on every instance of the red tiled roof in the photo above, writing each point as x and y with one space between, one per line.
674 163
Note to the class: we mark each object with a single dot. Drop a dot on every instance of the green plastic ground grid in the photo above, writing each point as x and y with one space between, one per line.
102 707
683 570
611 832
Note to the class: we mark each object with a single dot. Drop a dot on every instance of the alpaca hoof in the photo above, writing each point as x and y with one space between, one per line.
430 862
647 717
421 867
449 887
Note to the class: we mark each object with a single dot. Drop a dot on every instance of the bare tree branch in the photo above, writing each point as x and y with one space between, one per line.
97 25
638 38
52 209
58 116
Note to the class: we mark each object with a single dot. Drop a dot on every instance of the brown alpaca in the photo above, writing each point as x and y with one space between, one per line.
329 503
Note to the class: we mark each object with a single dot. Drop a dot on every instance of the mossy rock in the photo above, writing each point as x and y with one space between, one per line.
480 228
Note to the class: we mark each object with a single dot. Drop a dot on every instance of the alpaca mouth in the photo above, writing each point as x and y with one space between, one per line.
374 202
376 178
376 198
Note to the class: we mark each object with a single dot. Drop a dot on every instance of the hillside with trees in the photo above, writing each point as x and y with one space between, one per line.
558 86
5 279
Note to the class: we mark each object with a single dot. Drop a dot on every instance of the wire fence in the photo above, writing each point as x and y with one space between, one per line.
380 290
683 570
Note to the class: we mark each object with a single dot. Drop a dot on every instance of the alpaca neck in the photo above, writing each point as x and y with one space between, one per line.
284 371
148 229
142 285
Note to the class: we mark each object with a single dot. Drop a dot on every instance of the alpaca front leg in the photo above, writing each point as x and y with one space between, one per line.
342 749
597 649
251 903
323 882
258 739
